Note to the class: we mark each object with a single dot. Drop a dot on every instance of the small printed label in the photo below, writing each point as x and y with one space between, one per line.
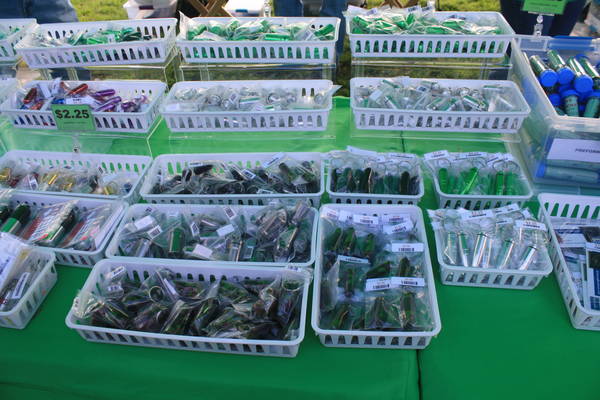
144 223
470 215
474 154
436 155
173 214
248 252
506 209
154 232
275 159
229 212
398 281
529 224
20 287
194 229
115 273
344 216
80 100
202 251
378 284
330 213
114 288
406 156
398 247
575 150
365 219
595 247
504 221
361 152
225 230
395 218
33 183
398 228
354 260
264 191
248 174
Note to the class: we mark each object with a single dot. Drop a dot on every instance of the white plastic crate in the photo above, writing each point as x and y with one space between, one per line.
138 211
7 87
488 277
134 122
20 315
177 162
193 272
110 163
234 121
377 339
69 257
137 52
7 51
570 206
438 46
261 51
431 120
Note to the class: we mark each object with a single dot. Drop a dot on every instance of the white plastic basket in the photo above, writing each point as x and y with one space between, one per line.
261 51
488 277
138 211
233 121
570 206
7 51
109 162
138 52
193 272
20 315
69 257
377 339
7 87
438 46
177 162
135 122
431 120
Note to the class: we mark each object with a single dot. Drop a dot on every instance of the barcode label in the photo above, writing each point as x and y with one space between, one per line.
407 247
506 209
33 183
365 219
407 281
378 284
330 213
154 232
436 155
275 159
225 230
20 287
354 260
248 174
406 156
398 228
229 212
194 229
529 224
395 218
469 215
344 216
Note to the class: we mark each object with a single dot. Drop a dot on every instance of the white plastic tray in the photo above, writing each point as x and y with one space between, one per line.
570 206
261 51
235 121
20 315
76 258
138 211
177 162
139 52
135 122
7 51
430 120
7 87
193 272
488 277
110 162
479 46
377 339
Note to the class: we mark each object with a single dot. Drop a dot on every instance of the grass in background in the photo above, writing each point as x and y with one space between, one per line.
99 10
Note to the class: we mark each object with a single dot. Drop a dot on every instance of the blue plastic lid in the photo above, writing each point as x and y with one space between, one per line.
565 75
595 93
580 55
562 88
554 99
583 84
581 108
548 78
541 171
568 93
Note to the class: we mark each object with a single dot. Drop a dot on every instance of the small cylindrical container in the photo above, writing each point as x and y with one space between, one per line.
592 106
546 75
589 69
571 103
582 82
558 64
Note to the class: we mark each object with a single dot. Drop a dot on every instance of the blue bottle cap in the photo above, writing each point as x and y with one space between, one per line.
568 93
565 75
562 88
595 93
541 171
583 84
554 99
581 108
580 55
548 78
583 97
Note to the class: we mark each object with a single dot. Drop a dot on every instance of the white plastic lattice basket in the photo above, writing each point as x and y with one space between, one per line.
20 315
7 87
232 121
261 51
156 50
138 211
134 122
7 51
488 277
175 163
439 46
432 120
570 206
77 258
140 270
111 163
377 339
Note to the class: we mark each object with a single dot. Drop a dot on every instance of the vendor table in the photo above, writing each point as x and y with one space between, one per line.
494 343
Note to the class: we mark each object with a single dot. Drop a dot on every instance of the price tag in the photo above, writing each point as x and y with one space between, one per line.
552 7
73 117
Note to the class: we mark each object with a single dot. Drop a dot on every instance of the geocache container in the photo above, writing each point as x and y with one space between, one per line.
133 122
7 51
155 51
570 206
137 270
261 121
175 163
439 46
262 51
369 338
138 211
433 120
20 315
111 163
559 150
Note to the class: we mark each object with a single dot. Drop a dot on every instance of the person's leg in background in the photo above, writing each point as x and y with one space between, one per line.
335 8
289 8
563 24
12 9
45 11
522 22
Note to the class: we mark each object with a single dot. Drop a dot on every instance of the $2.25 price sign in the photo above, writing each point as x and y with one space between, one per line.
73 117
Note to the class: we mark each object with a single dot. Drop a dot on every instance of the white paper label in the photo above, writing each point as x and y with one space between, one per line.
575 150
436 155
154 232
18 292
406 156
472 154
114 288
365 219
470 215
378 284
402 227
361 152
144 223
115 273
33 183
398 281
344 216
229 212
194 229
506 209
248 174
354 260
395 218
275 159
398 247
80 100
202 251
330 213
264 191
529 224
225 230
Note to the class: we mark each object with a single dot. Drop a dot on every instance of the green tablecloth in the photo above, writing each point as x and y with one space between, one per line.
493 344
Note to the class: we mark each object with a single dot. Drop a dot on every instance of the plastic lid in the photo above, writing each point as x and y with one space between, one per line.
554 99
541 171
568 93
595 93
565 76
580 55
583 84
548 78
562 88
